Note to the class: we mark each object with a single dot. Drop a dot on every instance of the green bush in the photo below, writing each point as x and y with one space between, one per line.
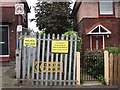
81 79
30 68
79 43
101 79
114 50
96 65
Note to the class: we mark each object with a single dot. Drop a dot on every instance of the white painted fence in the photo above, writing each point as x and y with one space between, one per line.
40 66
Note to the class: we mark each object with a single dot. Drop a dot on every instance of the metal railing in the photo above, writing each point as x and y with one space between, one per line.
40 66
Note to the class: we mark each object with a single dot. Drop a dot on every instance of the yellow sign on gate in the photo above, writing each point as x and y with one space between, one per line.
59 46
30 42
51 67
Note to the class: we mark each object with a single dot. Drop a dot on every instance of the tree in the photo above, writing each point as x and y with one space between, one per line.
53 17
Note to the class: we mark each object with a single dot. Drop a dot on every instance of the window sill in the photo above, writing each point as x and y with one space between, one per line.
106 16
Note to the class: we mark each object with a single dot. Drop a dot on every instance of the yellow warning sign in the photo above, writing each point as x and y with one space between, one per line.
51 67
30 42
59 46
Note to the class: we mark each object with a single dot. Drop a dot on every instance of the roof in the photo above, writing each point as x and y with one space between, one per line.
75 8
95 26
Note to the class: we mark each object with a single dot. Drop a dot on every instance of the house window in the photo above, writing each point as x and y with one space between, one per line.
106 7
97 44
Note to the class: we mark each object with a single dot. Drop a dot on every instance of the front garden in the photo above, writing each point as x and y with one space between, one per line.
93 63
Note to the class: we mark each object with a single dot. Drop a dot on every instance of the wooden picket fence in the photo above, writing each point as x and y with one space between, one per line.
114 69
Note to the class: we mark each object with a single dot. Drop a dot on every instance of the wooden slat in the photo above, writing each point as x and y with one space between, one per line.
119 68
115 69
78 68
111 69
106 67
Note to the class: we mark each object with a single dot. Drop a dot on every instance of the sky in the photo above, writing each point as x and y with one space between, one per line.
32 25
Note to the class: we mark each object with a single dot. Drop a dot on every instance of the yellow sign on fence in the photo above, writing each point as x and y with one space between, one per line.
51 67
30 42
59 46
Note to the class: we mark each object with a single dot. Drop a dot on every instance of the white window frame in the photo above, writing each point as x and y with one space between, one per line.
105 9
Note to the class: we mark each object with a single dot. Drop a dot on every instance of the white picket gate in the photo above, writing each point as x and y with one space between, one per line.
40 66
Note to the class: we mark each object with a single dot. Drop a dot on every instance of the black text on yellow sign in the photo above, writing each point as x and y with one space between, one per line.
51 67
59 46
30 42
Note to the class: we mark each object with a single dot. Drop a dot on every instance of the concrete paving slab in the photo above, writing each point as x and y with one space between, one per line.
91 83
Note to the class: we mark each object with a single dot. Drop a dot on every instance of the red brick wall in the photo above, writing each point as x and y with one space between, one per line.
9 18
12 41
111 24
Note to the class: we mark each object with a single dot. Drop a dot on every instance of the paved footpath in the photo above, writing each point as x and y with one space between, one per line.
7 75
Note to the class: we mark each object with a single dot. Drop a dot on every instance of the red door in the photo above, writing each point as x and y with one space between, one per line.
97 42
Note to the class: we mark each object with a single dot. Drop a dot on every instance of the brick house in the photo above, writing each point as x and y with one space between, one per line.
8 25
98 23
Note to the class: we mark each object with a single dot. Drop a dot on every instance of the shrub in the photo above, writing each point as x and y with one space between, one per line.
81 79
71 32
101 79
96 65
114 50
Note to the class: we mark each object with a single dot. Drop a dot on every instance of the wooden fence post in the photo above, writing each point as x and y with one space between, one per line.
78 68
115 69
111 69
119 68
106 67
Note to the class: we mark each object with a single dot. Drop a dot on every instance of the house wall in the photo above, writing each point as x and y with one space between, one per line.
111 24
9 18
12 39
117 9
87 10
88 15
8 14
91 10
9 3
